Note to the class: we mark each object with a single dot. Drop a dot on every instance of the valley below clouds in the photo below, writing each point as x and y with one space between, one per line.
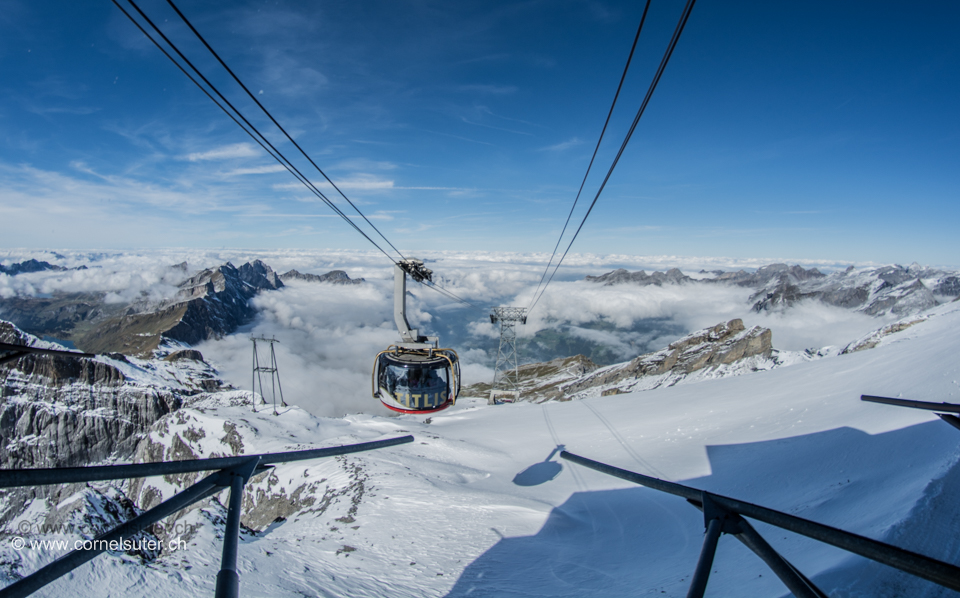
329 334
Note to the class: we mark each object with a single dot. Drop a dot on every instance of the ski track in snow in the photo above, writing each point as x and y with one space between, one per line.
445 516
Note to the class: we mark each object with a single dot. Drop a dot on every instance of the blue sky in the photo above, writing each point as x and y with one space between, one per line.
816 130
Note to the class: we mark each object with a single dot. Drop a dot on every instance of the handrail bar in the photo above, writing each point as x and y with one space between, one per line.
925 567
941 407
232 473
10 478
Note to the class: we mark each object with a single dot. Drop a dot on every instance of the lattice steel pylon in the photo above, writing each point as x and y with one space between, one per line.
506 376
274 375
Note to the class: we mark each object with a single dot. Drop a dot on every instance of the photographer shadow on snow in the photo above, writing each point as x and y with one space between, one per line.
542 472
899 487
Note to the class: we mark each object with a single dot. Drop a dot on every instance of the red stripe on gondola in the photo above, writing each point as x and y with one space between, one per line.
418 411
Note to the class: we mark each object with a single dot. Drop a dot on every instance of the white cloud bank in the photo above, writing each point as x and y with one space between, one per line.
330 334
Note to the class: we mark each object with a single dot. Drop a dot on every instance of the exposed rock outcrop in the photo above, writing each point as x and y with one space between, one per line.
269 497
211 304
723 344
542 381
780 272
29 266
725 349
333 277
877 291
873 339
66 411
621 276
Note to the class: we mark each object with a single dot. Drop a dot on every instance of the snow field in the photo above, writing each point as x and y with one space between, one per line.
481 505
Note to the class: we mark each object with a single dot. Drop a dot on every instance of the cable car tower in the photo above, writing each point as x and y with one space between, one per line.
270 369
415 375
506 380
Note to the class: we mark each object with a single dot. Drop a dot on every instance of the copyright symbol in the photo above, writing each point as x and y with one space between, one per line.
18 543
24 526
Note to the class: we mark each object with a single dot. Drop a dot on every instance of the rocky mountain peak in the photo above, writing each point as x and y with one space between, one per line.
725 349
723 345
28 266
622 276
211 304
333 277
259 275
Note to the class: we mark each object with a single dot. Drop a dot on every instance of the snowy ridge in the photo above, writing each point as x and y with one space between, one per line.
480 506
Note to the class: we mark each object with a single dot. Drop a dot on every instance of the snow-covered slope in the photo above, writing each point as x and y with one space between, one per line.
480 505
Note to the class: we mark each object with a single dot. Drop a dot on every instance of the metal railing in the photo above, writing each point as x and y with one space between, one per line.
945 409
230 472
722 514
18 351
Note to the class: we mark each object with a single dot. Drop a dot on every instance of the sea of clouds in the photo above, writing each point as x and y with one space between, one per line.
329 334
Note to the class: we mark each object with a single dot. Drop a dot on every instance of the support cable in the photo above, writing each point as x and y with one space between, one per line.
270 116
449 294
623 77
253 132
643 106
257 136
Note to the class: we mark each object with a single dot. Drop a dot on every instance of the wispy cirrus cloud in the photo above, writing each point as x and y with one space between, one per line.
255 170
225 152
563 145
364 182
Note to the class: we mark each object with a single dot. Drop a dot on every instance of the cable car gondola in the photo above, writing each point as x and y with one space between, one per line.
415 375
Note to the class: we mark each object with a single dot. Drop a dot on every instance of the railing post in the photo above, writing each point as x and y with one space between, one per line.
796 582
698 585
740 528
233 472
953 420
228 580
70 561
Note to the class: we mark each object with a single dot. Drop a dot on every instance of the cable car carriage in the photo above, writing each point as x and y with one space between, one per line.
415 375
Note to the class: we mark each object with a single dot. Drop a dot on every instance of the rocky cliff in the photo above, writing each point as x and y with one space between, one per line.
211 304
726 344
892 289
29 266
621 276
725 349
66 412
333 277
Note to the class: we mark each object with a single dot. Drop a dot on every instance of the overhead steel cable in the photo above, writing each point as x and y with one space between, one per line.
253 132
278 125
643 106
450 294
626 68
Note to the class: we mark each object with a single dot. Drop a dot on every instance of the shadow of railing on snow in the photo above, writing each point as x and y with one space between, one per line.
632 541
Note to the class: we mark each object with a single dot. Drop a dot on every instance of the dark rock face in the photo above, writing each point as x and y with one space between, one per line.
57 316
542 381
784 294
763 276
259 275
906 297
191 354
29 266
211 304
949 286
621 276
890 289
723 344
65 412
333 277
